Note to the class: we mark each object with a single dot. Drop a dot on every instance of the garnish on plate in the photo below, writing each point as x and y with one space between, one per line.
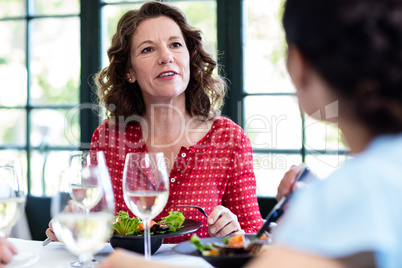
231 245
124 225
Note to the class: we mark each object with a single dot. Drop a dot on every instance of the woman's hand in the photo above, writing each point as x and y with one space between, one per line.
223 222
71 207
288 181
7 251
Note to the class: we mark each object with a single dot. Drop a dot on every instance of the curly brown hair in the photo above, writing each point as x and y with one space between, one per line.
205 91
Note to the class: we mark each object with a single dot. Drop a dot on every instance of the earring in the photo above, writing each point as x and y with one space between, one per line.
130 79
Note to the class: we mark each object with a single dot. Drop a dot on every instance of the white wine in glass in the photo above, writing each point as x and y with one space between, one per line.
12 195
145 189
84 228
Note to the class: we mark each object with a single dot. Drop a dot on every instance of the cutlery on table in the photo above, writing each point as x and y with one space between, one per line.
196 207
47 241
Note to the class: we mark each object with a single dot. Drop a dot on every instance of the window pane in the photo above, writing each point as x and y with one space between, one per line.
269 170
202 15
55 63
56 7
265 46
12 8
273 122
54 127
323 165
13 74
323 136
46 170
13 127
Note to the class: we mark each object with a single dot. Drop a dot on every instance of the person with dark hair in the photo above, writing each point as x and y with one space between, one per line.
345 60
161 94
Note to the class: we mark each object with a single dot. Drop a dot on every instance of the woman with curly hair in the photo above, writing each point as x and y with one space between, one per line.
161 95
345 60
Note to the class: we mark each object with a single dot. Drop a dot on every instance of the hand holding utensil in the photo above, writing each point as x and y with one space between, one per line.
196 207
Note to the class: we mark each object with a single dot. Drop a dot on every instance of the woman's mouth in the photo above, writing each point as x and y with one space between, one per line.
167 74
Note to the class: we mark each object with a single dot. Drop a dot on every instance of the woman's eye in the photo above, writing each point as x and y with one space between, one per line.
176 44
146 50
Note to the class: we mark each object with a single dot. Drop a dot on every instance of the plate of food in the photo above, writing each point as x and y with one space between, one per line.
128 233
229 251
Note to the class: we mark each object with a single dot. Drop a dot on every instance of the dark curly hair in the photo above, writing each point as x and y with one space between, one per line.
356 46
205 91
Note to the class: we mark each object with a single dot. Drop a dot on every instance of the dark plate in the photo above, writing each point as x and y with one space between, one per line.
235 261
136 243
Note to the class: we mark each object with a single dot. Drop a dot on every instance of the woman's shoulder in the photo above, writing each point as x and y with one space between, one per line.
222 122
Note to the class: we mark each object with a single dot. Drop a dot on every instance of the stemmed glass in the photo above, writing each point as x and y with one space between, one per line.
83 210
145 189
12 195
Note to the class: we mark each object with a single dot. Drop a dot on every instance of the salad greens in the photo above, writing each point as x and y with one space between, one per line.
174 220
195 240
124 225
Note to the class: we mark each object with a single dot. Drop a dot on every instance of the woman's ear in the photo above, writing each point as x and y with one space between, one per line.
130 76
297 67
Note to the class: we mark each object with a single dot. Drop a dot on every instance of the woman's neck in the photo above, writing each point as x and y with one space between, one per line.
357 136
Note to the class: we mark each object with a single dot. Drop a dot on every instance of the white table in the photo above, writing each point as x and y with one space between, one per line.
55 255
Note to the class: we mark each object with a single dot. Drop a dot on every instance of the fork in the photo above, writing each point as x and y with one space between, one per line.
200 209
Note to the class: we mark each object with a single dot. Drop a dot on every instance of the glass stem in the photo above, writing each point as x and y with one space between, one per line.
147 239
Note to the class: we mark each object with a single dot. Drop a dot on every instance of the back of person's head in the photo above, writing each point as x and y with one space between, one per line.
356 47
204 94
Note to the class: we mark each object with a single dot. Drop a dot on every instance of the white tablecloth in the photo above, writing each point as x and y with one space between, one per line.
54 255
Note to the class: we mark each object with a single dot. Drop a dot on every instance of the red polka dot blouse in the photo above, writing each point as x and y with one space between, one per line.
218 170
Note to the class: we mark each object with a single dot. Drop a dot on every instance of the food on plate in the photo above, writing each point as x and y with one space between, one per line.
124 225
232 245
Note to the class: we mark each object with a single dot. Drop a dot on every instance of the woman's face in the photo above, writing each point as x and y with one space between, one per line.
160 61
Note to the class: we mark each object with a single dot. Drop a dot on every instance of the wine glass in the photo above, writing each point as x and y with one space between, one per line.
12 195
83 211
84 192
145 189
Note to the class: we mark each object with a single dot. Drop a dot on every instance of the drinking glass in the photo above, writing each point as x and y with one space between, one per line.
84 193
83 210
145 189
12 195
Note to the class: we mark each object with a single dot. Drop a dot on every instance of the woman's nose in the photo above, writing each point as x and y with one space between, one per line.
165 56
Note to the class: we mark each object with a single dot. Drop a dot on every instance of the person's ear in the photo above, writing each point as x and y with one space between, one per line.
130 76
297 67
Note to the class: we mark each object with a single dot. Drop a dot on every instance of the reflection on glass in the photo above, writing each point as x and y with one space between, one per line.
12 8
55 63
264 55
54 127
12 63
273 122
56 7
269 170
13 127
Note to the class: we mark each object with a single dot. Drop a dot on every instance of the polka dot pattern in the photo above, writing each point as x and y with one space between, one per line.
218 170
